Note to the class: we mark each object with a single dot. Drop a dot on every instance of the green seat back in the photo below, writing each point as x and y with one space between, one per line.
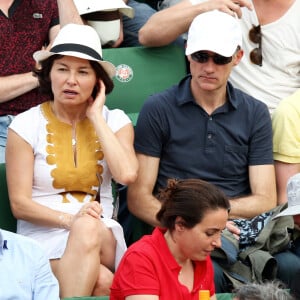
7 220
225 296
88 298
142 71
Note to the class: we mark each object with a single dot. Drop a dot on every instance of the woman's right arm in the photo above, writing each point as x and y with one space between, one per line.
19 173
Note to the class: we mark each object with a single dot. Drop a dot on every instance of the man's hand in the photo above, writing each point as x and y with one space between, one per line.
231 227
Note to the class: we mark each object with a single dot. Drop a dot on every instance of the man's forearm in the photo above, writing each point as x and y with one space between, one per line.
68 12
166 25
15 85
250 206
145 207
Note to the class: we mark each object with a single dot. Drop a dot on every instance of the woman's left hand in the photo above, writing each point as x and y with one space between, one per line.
95 106
93 209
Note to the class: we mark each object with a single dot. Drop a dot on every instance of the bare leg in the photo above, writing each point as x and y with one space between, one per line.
78 269
105 277
103 284
108 248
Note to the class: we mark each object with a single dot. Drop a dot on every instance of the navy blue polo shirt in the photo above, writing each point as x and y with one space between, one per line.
217 148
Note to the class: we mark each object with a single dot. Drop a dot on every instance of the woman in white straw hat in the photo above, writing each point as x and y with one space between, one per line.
59 156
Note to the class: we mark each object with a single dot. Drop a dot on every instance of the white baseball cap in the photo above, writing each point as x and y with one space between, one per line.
293 194
214 31
79 41
90 6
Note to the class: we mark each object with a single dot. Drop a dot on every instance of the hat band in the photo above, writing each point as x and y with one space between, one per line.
76 48
102 16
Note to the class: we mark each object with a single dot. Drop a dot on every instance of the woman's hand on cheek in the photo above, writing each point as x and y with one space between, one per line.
95 106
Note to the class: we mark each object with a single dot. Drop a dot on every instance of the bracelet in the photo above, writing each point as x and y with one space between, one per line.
65 221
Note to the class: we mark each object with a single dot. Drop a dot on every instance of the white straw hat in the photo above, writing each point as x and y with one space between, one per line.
214 31
90 6
293 194
79 41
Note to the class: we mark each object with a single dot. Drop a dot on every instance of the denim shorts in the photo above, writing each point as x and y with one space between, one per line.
132 26
4 123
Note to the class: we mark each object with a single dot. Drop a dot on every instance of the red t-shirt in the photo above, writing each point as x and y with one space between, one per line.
21 34
149 268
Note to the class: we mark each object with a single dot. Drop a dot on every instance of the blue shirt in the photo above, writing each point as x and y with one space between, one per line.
218 148
25 272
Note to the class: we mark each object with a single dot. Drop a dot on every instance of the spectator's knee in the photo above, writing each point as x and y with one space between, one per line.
87 231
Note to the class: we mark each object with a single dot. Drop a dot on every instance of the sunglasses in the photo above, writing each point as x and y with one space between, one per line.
256 53
203 57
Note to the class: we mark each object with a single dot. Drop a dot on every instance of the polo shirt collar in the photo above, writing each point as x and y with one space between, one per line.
158 236
231 95
184 93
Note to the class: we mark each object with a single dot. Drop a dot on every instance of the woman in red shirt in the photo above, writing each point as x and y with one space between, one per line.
174 261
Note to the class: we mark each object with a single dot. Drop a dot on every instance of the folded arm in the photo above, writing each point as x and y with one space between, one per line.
16 85
168 24
68 12
263 194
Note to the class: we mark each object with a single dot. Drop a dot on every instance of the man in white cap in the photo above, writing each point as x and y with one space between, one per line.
205 128
269 69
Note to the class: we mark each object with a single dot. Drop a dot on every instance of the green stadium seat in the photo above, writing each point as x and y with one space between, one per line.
88 298
7 220
225 296
142 71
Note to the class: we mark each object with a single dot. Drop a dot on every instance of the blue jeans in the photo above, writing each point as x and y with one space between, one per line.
167 3
131 27
288 266
222 285
4 123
